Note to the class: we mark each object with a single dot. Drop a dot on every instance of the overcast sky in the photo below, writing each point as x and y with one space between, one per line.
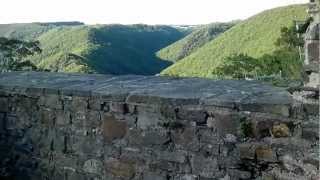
134 11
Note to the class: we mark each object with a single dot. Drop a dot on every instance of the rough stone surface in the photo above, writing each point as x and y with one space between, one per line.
312 47
69 126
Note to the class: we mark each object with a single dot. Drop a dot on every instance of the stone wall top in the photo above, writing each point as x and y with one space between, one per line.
150 90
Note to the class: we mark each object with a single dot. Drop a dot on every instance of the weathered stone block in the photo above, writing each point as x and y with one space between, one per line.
148 138
289 145
199 116
227 123
67 163
186 177
96 103
113 128
247 150
204 166
93 166
206 135
89 145
153 176
312 49
79 104
141 157
310 131
63 118
280 130
51 101
51 142
238 174
166 166
282 109
148 117
265 153
311 109
47 117
93 119
2 122
117 107
120 168
11 122
4 104
186 139
112 151
261 128
177 156
257 151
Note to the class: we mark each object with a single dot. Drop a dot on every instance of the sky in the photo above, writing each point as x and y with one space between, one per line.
134 11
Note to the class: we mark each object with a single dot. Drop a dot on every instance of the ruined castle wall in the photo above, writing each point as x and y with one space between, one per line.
96 127
312 47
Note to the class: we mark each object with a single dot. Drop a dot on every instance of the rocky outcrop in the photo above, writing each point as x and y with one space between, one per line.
68 126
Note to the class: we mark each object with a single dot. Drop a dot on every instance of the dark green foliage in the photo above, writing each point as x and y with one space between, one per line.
289 38
246 128
283 62
193 41
13 52
239 66
302 27
130 49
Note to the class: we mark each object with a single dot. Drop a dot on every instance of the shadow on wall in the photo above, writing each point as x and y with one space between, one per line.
17 150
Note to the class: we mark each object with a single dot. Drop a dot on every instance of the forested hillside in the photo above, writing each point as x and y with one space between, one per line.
254 37
199 37
109 49
31 31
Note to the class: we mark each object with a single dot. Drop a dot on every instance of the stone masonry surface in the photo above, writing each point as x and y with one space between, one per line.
56 126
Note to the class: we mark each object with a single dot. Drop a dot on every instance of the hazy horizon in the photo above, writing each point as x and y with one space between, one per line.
171 12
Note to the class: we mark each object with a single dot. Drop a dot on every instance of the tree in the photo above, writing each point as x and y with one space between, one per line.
239 66
289 38
13 53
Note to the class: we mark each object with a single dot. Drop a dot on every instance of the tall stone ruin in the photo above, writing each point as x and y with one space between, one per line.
312 48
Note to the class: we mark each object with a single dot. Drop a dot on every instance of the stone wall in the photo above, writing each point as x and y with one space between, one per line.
99 127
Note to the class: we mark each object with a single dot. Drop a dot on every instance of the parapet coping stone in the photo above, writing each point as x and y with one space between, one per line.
150 90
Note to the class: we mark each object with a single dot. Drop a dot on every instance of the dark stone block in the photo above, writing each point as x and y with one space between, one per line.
113 128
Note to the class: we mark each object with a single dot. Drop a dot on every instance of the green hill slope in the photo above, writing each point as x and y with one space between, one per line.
110 49
59 44
255 37
193 41
30 31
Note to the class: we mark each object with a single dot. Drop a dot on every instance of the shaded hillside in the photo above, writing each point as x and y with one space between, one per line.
255 37
109 49
199 37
